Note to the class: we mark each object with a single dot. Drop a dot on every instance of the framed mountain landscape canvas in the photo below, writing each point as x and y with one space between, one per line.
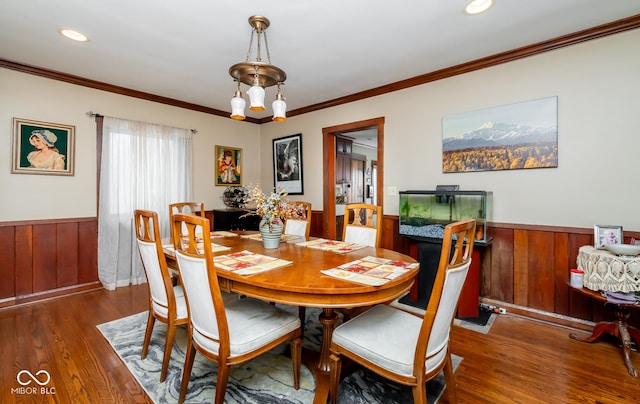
509 137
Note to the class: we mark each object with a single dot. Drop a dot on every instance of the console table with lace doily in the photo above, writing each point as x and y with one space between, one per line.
606 271
618 328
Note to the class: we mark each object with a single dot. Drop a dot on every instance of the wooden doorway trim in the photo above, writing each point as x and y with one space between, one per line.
329 169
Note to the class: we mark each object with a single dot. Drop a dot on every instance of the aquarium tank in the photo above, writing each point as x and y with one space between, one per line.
423 214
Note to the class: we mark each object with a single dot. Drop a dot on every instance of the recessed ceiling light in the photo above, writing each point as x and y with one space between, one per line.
478 6
73 34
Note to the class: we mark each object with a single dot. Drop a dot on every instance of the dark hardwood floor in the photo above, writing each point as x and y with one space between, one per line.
519 361
60 336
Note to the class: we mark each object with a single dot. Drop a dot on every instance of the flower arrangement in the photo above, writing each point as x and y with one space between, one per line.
273 208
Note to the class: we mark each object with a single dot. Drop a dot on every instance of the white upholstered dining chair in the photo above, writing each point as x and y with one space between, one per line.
166 301
362 224
300 223
227 333
192 208
401 346
186 208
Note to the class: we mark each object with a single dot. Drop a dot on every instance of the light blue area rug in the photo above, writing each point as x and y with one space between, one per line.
266 379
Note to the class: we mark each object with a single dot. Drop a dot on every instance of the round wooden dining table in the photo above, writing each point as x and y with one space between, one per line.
302 283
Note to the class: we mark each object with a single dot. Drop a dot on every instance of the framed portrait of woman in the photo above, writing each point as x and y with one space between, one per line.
42 148
287 164
228 166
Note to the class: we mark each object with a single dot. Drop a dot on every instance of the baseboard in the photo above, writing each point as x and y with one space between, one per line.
540 315
15 301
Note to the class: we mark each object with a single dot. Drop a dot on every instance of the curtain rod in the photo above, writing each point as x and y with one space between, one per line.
92 114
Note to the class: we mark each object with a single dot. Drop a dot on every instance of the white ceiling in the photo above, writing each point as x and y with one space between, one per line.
329 49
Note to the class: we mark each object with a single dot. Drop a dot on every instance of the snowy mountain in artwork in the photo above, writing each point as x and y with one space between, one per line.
497 134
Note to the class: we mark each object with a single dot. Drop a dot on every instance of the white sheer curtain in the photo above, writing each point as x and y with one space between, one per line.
144 166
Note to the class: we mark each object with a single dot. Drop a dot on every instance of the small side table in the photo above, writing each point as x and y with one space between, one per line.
618 328
606 271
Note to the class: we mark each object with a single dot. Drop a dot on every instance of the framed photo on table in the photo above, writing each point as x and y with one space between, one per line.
606 234
42 148
228 166
287 164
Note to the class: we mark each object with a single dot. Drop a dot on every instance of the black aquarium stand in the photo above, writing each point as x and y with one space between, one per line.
427 252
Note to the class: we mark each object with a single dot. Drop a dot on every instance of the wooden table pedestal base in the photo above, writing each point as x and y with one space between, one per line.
318 362
619 329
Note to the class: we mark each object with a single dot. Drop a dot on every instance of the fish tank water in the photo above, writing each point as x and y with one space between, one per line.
423 214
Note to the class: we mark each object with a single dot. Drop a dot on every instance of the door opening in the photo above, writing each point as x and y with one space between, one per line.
329 177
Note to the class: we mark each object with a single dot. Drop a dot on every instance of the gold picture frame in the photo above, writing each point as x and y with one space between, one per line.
42 148
228 166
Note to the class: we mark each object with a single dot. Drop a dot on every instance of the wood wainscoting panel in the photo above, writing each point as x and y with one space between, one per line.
46 258
8 266
67 254
24 260
389 229
87 251
579 305
520 268
498 271
541 251
561 261
317 224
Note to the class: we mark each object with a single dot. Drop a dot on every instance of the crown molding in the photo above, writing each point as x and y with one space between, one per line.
615 27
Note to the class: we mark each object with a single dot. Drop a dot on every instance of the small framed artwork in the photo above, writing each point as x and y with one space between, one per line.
603 235
229 166
42 148
287 164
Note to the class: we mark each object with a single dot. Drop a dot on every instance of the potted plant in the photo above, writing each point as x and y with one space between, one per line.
273 208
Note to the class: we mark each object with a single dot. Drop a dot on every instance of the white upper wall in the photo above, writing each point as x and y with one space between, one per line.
597 85
31 197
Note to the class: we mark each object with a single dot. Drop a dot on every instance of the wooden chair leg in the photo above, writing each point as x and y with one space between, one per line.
335 365
168 347
420 393
221 383
296 359
450 380
186 371
147 334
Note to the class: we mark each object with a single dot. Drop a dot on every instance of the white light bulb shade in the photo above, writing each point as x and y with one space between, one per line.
256 97
279 110
237 108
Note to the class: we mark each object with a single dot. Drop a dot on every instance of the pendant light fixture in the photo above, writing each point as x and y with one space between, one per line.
258 75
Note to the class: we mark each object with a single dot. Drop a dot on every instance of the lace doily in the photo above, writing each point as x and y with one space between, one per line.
609 272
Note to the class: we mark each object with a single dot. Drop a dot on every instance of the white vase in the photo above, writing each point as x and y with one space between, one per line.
271 234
